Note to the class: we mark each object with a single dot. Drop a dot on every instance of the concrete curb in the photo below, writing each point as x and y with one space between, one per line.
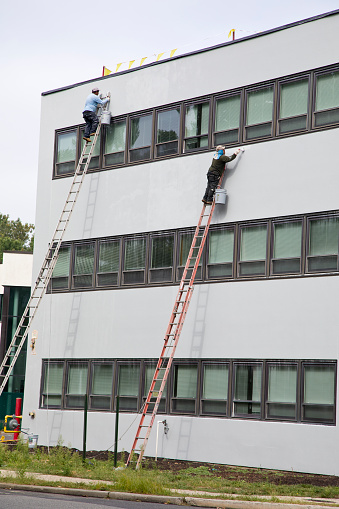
246 504
162 499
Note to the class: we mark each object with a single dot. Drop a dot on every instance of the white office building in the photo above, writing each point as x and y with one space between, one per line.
254 378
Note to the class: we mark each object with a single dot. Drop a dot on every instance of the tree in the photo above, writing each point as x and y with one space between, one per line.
15 235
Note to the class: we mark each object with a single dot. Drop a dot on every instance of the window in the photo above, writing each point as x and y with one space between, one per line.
148 377
76 389
196 126
282 391
293 106
162 250
128 386
60 276
83 265
168 127
247 390
115 143
108 263
319 393
185 242
253 241
326 99
140 138
185 382
227 119
323 244
101 386
134 261
214 388
286 252
259 113
66 149
220 253
53 375
94 163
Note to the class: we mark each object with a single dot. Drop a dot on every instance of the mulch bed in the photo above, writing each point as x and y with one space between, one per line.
234 473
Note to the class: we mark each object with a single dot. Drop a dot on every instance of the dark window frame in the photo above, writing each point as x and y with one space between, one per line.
73 275
127 238
240 415
199 137
303 405
130 150
97 257
288 81
318 73
226 227
91 395
240 128
178 141
202 400
240 263
267 403
44 366
276 222
309 257
271 123
131 362
67 394
105 165
175 399
154 270
76 130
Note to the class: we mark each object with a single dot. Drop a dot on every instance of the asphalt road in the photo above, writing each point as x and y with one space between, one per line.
11 499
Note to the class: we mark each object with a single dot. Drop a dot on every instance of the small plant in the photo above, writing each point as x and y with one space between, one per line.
20 458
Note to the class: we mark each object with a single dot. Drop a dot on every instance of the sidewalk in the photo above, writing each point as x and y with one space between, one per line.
180 497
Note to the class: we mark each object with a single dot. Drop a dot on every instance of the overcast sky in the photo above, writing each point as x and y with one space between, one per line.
46 45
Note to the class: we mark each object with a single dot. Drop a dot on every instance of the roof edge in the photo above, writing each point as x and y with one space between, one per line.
196 52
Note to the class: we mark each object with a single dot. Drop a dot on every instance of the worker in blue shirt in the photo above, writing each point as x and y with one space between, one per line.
89 113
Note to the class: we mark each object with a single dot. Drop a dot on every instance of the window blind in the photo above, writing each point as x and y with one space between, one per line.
259 106
109 256
253 243
324 236
287 240
327 91
221 246
227 113
215 382
162 251
293 99
282 384
102 379
135 251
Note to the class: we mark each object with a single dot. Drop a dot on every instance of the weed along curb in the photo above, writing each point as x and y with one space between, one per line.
161 499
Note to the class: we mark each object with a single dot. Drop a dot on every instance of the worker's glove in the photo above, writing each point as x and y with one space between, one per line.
109 95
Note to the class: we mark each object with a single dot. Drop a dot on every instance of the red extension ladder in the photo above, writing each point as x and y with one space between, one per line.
172 335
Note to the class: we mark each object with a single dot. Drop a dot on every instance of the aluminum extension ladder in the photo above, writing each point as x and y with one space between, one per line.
48 264
172 335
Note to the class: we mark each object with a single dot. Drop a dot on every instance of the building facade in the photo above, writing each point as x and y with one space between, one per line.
254 379
15 286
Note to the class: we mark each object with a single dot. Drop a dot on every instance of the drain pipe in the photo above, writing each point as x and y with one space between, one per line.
166 428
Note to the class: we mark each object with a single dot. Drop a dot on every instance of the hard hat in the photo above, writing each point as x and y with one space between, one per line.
95 89
220 147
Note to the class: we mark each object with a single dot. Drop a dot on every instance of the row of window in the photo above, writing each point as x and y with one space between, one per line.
268 248
285 106
294 390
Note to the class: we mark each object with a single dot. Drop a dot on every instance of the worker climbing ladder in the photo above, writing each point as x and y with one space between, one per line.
175 325
49 262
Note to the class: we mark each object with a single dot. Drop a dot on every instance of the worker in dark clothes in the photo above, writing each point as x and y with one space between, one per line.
89 113
215 171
